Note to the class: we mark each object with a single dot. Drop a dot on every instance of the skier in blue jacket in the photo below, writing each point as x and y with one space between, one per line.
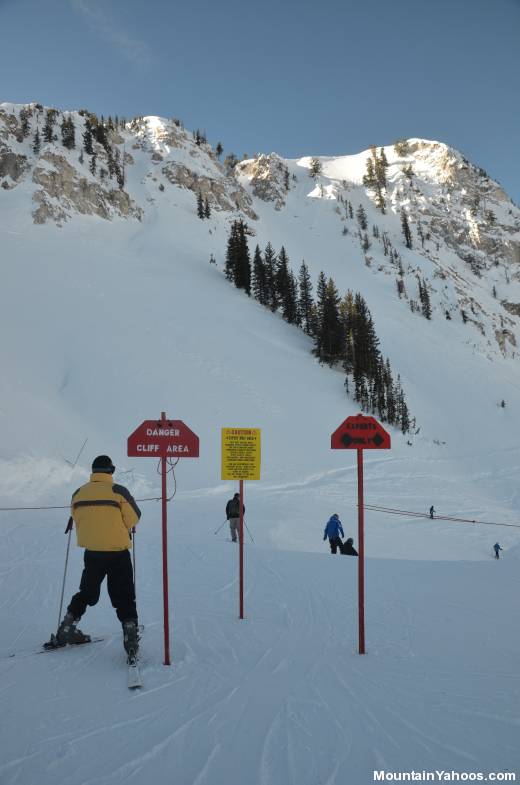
332 531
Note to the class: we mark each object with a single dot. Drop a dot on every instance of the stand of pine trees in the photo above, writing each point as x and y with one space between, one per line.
343 329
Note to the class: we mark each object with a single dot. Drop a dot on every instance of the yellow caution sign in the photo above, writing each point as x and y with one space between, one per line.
240 453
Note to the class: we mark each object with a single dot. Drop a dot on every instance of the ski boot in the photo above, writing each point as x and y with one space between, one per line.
68 632
131 639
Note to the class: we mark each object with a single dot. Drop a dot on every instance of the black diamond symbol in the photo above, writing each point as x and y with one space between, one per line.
378 439
346 440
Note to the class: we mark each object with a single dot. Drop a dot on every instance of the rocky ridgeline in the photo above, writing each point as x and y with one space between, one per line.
67 182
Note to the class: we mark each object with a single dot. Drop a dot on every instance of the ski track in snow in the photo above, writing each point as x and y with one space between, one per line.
281 698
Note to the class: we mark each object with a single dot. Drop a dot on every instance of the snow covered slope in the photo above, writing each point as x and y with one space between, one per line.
281 698
117 315
111 312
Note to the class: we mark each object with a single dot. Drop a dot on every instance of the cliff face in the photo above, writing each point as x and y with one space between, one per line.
107 182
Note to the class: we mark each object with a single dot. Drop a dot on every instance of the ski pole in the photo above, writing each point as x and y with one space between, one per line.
133 559
219 528
69 530
245 524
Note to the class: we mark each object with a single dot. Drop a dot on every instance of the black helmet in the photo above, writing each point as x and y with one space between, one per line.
103 464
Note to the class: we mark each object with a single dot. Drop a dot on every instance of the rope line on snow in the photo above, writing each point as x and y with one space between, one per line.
373 507
170 462
410 513
67 506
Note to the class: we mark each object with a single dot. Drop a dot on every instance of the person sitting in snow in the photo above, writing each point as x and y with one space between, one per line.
347 549
332 531
497 548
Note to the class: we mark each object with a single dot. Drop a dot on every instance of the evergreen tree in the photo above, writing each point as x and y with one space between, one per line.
286 287
200 206
207 209
295 317
93 165
315 167
50 119
321 287
366 338
424 297
380 199
347 315
230 162
361 217
100 135
24 123
350 210
259 284
243 268
405 226
270 277
219 150
330 346
36 143
305 303
401 147
88 139
380 167
369 178
232 253
68 133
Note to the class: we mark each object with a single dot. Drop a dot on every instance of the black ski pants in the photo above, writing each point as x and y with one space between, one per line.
335 543
117 567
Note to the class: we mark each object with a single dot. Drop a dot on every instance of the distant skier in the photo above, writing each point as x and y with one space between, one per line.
233 515
432 511
104 515
347 549
332 531
497 548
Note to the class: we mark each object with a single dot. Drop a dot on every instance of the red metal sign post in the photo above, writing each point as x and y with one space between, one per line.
360 433
164 439
241 546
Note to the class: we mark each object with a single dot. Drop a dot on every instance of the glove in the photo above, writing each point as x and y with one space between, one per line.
324 537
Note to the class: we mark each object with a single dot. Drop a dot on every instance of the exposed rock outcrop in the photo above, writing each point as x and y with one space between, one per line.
64 190
268 176
224 194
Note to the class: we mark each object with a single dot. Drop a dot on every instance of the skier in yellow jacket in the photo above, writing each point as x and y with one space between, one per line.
104 514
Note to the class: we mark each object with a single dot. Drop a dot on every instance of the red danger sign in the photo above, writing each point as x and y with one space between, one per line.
360 432
163 439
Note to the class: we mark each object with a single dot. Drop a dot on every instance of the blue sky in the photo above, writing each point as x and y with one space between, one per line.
293 76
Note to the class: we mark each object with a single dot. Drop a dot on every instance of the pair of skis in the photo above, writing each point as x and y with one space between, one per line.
134 680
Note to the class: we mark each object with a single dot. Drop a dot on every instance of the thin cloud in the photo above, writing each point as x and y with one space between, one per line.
131 48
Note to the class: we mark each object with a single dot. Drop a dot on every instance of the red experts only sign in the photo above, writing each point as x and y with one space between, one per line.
163 439
360 432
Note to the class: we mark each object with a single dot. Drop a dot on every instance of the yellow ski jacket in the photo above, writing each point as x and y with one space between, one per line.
104 514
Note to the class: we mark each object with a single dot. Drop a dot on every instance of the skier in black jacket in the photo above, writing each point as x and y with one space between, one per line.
233 515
